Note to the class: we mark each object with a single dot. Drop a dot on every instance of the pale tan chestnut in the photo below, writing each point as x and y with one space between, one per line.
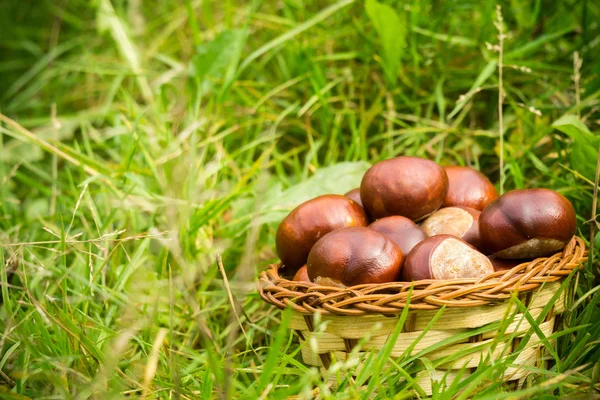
462 222
445 257
527 223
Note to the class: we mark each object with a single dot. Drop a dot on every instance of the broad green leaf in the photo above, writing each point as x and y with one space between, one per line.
217 59
336 179
392 34
584 151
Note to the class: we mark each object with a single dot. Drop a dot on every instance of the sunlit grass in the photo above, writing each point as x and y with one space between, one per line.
138 144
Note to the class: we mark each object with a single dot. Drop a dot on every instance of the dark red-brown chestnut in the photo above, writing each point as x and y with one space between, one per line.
502 264
353 256
301 275
527 223
412 187
403 231
462 222
309 222
354 194
469 188
445 257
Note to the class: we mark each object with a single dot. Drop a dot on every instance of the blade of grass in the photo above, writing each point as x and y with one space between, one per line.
321 16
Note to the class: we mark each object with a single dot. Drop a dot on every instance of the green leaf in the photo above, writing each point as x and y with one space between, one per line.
392 33
336 179
584 151
218 59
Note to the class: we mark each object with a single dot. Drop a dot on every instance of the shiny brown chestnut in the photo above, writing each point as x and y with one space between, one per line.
354 194
301 275
403 231
462 222
445 257
353 256
527 223
412 187
469 188
309 222
502 264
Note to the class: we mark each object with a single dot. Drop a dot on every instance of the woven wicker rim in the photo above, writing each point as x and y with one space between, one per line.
390 298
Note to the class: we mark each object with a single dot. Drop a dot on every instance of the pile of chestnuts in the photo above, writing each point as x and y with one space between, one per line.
412 219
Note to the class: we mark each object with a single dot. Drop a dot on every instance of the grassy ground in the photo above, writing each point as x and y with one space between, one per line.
139 139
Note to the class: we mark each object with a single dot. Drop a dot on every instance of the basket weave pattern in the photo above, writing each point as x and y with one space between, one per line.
471 306
390 298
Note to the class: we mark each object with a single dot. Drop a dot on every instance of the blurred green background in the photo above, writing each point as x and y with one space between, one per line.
138 139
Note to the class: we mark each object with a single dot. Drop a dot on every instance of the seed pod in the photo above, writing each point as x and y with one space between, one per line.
412 187
469 188
309 222
462 222
405 233
527 223
301 275
354 194
445 257
354 256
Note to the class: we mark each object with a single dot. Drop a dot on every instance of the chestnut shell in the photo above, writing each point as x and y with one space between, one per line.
354 194
502 264
412 187
301 275
469 188
420 263
403 231
309 222
355 256
520 216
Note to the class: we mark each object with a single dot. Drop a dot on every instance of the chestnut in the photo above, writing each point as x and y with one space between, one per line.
404 232
462 222
354 194
308 222
445 257
469 188
527 223
301 275
353 256
412 187
502 264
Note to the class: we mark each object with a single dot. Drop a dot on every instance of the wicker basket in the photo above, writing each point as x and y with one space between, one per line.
472 306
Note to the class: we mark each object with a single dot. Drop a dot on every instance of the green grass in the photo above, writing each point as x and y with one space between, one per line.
148 137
